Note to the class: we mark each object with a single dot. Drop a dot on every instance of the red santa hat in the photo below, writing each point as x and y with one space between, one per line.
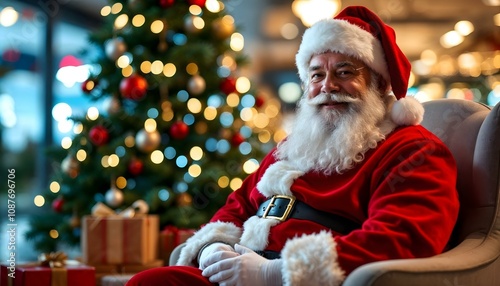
358 32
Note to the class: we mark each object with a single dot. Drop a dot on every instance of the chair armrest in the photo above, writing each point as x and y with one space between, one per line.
475 261
174 256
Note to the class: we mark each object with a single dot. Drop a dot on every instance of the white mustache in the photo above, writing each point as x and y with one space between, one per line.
324 98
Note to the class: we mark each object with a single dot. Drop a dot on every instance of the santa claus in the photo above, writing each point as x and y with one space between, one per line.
358 179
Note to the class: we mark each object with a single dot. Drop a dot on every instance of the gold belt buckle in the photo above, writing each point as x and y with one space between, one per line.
288 209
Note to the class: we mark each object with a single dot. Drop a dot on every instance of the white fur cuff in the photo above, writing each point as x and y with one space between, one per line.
311 260
216 231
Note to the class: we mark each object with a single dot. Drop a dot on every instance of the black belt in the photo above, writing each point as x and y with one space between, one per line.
269 254
284 207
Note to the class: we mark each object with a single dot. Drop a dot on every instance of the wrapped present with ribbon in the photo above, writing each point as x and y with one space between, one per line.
52 269
127 237
170 237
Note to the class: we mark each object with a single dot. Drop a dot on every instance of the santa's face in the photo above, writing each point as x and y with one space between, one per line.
340 117
334 73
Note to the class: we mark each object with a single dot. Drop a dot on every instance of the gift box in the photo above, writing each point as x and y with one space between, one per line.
120 240
170 237
34 274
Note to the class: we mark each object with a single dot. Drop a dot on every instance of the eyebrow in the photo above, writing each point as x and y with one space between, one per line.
337 65
344 64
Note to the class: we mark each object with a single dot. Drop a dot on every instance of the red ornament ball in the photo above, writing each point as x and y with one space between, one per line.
179 130
58 204
134 87
237 139
99 135
89 85
166 3
200 3
135 167
228 85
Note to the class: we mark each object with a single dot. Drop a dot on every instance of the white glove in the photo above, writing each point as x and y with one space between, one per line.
246 269
215 252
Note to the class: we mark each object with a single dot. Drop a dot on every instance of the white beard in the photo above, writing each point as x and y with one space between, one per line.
334 141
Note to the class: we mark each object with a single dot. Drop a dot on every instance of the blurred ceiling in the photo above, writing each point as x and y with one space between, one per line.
419 24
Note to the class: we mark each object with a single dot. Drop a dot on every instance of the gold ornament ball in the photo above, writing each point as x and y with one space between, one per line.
147 141
184 200
196 85
222 28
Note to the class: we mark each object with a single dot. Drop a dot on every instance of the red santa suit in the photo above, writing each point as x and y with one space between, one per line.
400 195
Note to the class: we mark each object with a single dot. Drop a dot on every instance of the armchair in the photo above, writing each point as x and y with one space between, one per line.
472 133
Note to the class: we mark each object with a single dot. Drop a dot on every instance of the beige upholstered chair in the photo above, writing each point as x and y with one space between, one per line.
472 133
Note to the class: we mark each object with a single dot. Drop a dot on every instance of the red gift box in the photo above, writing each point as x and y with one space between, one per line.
170 237
119 240
32 274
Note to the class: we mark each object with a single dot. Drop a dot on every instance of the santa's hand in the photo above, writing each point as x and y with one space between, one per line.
214 253
248 268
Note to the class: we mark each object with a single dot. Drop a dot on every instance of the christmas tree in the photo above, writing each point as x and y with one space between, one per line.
182 125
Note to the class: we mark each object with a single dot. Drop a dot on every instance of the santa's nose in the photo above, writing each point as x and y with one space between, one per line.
330 84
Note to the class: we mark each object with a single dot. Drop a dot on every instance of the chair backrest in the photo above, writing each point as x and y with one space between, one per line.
471 132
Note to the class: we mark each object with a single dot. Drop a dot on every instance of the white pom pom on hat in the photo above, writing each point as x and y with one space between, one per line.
358 32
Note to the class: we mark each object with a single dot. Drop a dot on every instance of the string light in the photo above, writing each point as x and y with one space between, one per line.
39 201
213 6
92 113
157 26
194 170
235 183
223 182
53 233
157 67
104 161
66 143
145 67
54 187
81 155
169 70
121 21
138 20
237 42
311 11
157 157
116 8
121 182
